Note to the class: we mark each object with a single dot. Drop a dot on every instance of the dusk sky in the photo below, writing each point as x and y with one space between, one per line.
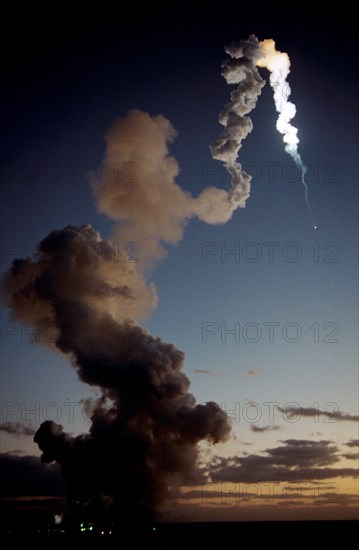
264 306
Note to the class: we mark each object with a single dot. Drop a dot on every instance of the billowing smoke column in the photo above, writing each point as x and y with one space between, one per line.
88 294
145 426
240 69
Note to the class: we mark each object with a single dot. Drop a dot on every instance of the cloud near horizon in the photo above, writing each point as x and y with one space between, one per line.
253 372
296 460
259 429
351 456
312 412
17 428
353 443
27 476
203 371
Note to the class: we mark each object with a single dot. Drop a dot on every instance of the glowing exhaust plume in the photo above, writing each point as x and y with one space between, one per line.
278 63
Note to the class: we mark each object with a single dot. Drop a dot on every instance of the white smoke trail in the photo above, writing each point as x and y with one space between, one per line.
278 63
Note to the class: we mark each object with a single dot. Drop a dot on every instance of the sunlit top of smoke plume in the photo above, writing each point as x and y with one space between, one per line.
136 187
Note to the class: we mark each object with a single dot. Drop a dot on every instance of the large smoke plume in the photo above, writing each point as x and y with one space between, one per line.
145 426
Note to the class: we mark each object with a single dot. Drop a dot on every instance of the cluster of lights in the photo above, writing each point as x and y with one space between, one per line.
84 529
90 527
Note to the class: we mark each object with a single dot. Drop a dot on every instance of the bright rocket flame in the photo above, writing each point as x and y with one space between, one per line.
278 63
